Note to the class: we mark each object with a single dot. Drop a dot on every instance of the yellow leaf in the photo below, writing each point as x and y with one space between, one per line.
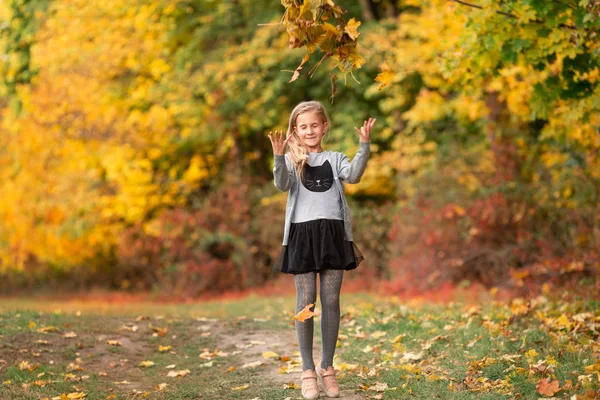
76 395
378 334
352 28
269 354
146 364
305 313
252 364
175 374
385 76
299 67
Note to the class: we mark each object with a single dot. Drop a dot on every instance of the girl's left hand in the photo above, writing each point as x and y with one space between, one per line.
364 132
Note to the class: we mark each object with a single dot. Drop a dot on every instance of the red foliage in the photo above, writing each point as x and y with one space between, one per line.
494 241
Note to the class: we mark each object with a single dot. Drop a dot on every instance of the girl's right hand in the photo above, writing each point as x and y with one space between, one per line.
278 143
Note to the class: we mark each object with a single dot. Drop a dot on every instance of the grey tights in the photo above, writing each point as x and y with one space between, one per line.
306 293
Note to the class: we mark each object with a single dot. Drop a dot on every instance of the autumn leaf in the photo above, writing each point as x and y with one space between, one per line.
545 387
157 330
299 68
291 385
146 364
252 364
352 28
305 313
385 76
176 374
269 354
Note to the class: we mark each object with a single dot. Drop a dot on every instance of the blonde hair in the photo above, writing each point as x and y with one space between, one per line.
297 151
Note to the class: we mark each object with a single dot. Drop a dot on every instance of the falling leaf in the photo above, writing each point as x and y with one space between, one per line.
70 335
546 387
385 76
163 348
305 313
352 28
241 387
299 68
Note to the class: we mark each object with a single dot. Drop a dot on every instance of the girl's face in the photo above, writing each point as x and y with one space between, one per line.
311 128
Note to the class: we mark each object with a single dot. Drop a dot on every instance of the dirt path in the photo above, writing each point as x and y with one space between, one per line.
251 345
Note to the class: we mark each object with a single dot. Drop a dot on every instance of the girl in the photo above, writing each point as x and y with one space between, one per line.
317 235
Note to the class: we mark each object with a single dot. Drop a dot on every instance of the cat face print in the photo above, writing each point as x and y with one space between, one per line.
319 178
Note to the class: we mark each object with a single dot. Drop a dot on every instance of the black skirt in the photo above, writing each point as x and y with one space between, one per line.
317 245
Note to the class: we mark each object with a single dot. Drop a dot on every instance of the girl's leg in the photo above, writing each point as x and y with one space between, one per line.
331 284
306 293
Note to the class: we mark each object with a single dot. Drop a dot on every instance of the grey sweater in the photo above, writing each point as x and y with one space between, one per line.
287 180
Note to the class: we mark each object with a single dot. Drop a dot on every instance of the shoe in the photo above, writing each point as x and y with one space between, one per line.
328 381
310 388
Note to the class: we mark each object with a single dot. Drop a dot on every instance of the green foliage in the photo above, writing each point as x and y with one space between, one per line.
20 21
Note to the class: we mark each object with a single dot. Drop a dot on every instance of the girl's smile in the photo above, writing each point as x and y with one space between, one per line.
310 129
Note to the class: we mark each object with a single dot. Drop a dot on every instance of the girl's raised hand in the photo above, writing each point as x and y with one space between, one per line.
278 143
364 132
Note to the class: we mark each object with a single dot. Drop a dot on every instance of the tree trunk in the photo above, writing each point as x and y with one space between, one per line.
367 11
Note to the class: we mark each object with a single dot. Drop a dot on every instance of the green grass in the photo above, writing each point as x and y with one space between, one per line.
458 352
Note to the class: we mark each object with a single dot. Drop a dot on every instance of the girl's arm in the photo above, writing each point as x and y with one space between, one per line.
283 173
351 172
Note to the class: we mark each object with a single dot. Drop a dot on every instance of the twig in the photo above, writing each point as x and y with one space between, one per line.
311 73
481 8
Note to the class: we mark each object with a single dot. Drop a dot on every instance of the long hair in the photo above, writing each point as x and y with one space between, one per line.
295 148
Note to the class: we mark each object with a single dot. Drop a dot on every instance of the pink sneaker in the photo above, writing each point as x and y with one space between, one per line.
310 388
328 381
